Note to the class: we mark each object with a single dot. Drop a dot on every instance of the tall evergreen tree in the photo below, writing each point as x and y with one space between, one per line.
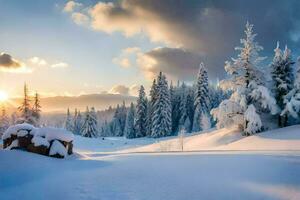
4 120
183 108
292 99
175 96
89 127
25 108
77 122
129 131
36 110
201 102
141 111
248 89
282 75
162 119
150 107
68 121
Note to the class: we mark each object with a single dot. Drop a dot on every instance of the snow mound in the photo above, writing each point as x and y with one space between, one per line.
51 133
58 148
40 141
19 130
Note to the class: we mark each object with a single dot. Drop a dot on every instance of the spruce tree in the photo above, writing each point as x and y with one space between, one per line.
89 127
282 76
77 122
25 108
248 88
68 121
36 110
4 120
129 131
162 119
201 103
292 99
150 107
141 111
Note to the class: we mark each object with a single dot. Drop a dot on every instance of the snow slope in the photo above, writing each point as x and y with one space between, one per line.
108 170
283 139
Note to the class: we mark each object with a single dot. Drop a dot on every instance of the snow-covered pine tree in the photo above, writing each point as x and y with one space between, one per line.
129 131
77 123
161 119
25 108
292 99
190 107
4 121
36 110
282 76
122 116
183 108
141 114
248 88
68 121
89 127
175 96
201 102
150 107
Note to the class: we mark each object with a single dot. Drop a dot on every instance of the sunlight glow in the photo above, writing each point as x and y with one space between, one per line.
3 96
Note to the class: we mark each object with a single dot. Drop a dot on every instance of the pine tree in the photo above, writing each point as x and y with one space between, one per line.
292 99
89 127
141 111
68 121
130 126
183 108
4 121
36 110
201 103
25 108
175 96
248 88
282 75
162 120
150 107
77 122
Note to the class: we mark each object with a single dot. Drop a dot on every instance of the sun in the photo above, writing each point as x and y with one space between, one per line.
3 96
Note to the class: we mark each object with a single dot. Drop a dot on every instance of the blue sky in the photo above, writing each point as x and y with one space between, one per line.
114 46
41 29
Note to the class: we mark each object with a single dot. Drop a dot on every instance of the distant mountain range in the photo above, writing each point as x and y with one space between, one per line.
61 103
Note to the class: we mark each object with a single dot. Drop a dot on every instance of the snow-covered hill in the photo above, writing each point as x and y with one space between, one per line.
283 139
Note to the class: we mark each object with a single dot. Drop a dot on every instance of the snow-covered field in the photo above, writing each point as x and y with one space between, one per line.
221 164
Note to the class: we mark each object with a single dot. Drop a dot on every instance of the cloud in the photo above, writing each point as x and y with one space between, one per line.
80 18
175 62
11 65
123 62
71 6
210 29
38 61
127 57
119 89
60 65
124 90
6 61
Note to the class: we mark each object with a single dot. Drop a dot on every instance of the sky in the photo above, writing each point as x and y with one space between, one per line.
88 46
